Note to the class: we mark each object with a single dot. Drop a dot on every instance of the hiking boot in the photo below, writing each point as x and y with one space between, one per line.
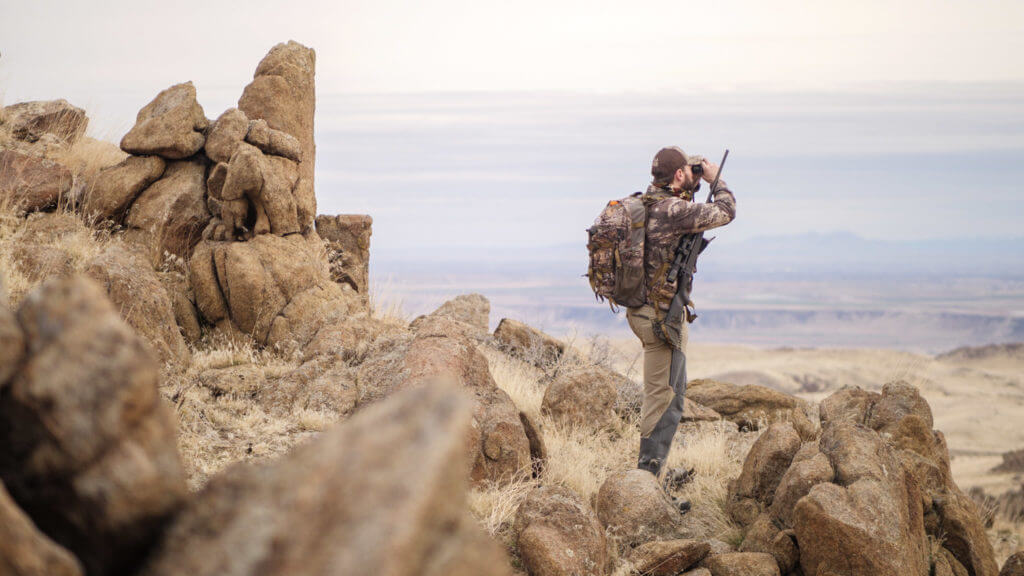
682 505
676 478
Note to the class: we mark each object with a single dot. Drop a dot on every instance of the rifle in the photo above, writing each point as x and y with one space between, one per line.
684 265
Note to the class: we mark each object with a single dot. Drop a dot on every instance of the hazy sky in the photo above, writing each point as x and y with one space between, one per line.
888 118
84 49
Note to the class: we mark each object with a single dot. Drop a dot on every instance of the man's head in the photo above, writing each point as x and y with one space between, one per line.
672 167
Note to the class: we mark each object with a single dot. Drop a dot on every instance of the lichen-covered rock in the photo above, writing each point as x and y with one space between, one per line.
667 557
136 292
118 186
382 493
472 311
752 406
24 551
29 184
283 93
585 398
634 509
169 216
171 126
766 463
557 534
31 120
92 455
528 343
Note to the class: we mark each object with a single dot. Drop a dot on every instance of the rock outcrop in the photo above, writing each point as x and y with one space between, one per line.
743 564
30 121
382 493
283 93
441 351
275 289
29 183
585 398
557 534
868 497
752 406
169 216
348 250
92 457
118 186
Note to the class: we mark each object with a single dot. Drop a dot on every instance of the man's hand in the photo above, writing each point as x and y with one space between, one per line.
710 171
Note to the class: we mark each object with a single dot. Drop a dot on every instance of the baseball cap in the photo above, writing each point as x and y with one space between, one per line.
670 159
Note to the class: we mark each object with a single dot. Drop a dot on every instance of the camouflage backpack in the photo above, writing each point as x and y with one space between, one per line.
616 246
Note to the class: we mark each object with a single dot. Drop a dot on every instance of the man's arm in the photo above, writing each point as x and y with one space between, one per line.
691 217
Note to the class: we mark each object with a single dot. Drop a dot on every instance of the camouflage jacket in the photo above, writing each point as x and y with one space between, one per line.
669 217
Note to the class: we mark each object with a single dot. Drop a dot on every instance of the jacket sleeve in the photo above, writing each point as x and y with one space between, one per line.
690 217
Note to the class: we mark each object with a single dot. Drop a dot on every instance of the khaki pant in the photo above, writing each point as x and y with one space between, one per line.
658 393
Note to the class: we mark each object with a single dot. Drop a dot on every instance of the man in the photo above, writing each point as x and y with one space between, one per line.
671 214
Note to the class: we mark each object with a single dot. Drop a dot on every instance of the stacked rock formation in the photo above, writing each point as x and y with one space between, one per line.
867 497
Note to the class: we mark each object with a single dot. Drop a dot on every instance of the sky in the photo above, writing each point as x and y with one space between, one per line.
511 123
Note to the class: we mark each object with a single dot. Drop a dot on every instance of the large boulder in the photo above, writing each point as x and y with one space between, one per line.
383 493
118 186
557 534
283 93
501 449
752 406
903 417
24 551
348 248
91 449
766 463
28 183
634 509
528 343
584 397
172 125
870 520
169 216
667 557
31 120
275 289
136 291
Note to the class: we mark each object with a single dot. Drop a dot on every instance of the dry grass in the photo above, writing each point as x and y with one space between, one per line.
581 459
